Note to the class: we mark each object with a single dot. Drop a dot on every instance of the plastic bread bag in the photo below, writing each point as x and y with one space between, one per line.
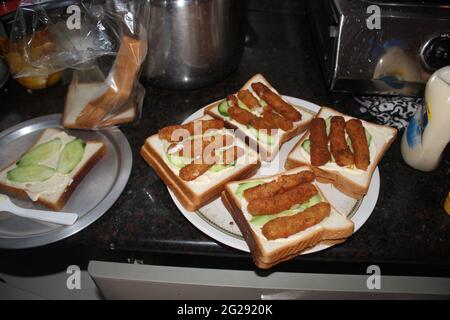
47 37
109 36
118 98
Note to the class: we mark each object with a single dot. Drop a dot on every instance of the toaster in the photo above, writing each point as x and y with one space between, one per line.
380 47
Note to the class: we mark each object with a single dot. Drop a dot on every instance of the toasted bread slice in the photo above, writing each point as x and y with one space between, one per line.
195 194
55 192
266 151
267 253
79 95
352 182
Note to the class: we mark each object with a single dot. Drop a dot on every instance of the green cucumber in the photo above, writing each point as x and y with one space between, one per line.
31 173
178 161
219 167
306 145
246 185
40 153
71 156
243 106
223 108
368 136
328 125
260 221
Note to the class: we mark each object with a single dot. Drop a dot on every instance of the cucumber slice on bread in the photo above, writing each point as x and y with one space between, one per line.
31 173
40 153
71 156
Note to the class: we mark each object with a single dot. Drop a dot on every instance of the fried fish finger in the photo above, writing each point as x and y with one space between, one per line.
277 120
232 100
319 142
248 99
282 184
273 99
241 115
357 134
338 146
194 170
284 227
179 132
282 201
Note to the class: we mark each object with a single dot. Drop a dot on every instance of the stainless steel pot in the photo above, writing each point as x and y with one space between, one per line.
193 43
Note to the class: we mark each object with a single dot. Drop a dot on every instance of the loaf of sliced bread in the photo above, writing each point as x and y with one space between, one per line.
79 95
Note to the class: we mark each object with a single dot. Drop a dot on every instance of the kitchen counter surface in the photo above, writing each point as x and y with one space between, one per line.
407 228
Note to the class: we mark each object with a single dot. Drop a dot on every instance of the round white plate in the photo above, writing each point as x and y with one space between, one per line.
215 220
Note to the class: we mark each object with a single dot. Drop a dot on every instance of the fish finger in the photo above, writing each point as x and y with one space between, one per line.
282 201
357 134
274 100
284 227
282 184
319 142
338 145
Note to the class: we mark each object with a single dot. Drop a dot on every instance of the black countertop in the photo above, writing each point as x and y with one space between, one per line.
408 231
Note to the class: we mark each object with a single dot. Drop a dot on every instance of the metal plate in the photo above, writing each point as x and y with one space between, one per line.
95 194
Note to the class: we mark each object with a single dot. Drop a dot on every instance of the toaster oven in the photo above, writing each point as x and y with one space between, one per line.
380 47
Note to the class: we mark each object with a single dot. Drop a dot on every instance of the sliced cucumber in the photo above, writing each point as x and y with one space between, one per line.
368 136
40 153
306 145
71 156
31 173
311 202
178 161
246 185
260 221
223 108
218 167
243 106
328 125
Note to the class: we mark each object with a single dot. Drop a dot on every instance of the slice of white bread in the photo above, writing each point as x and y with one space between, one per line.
195 194
266 152
267 253
54 192
80 94
352 182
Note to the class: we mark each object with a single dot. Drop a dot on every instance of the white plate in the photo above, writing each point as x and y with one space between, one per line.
215 220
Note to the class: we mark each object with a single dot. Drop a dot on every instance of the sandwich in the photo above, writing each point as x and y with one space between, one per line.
342 150
196 159
282 215
96 105
52 168
262 116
